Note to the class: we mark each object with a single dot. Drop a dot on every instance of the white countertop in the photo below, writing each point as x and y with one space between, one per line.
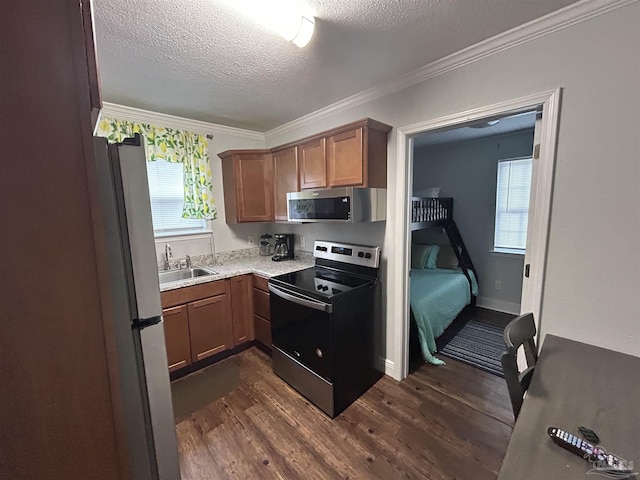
254 264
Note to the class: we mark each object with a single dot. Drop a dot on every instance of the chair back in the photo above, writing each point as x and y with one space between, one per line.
521 331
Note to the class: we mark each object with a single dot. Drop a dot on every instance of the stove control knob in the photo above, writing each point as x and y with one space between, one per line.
319 353
325 288
319 287
360 254
367 255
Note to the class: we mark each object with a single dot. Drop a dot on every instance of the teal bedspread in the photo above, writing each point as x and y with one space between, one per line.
437 297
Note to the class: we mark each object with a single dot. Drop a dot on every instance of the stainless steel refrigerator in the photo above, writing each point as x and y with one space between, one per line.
137 311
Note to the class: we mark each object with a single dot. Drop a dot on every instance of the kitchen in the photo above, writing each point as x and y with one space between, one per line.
323 324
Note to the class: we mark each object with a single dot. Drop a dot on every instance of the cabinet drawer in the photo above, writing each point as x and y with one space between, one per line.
261 304
180 296
261 283
263 330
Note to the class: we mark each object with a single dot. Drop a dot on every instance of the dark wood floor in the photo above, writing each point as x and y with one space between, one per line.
448 422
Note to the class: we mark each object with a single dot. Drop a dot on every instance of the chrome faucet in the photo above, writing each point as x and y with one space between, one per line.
188 260
167 255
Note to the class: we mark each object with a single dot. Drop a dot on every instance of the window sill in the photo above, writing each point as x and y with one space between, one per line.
507 253
184 235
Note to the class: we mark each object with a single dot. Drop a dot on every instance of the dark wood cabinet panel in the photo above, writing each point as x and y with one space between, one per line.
263 330
248 190
313 166
261 283
241 309
95 94
61 399
181 296
176 334
285 179
261 304
210 329
345 162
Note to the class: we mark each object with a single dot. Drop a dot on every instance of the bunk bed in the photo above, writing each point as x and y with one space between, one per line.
438 295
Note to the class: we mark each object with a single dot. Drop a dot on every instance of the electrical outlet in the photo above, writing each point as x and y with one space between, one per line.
251 240
302 242
498 284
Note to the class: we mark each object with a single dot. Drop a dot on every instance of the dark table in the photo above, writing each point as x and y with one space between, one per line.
574 385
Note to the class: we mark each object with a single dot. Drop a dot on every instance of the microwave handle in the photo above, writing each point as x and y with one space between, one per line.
305 302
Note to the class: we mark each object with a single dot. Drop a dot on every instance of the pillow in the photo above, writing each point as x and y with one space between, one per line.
433 255
447 258
419 255
430 192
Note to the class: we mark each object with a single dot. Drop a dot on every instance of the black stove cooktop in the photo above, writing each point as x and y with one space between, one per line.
320 281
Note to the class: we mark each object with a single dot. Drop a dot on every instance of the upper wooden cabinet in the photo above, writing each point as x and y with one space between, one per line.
313 166
256 182
350 155
285 179
248 191
357 155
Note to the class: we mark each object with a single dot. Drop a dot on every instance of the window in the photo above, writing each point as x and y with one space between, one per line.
166 189
512 205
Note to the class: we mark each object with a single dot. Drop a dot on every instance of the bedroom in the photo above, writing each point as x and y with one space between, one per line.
463 162
596 177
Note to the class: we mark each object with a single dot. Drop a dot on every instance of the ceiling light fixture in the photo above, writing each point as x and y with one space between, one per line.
288 18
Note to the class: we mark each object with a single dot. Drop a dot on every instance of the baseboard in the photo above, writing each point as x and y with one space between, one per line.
498 305
389 368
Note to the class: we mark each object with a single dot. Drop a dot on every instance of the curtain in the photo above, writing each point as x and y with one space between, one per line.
174 146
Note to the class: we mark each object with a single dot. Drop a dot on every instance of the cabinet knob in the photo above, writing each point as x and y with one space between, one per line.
319 353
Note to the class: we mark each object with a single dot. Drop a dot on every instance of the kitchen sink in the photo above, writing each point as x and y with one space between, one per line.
184 274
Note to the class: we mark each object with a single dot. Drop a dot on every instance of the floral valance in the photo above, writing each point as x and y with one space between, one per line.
174 146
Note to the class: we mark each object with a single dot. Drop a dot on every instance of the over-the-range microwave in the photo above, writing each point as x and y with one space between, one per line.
341 205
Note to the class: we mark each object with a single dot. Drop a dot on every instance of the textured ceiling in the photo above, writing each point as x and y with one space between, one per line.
513 123
200 59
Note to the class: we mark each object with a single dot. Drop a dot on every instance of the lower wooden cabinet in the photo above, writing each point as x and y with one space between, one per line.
241 309
261 310
176 333
210 327
209 318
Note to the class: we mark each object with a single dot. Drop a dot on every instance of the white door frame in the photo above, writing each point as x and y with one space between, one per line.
537 236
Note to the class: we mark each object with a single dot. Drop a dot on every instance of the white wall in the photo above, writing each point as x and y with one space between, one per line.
466 171
593 263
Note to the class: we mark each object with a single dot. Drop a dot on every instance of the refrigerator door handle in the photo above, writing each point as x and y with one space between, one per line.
141 323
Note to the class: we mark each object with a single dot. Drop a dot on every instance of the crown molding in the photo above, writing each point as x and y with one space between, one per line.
553 22
171 121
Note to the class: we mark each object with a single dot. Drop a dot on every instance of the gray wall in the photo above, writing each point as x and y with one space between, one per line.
467 171
592 280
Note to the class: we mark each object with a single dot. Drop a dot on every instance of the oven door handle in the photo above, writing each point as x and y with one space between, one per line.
305 302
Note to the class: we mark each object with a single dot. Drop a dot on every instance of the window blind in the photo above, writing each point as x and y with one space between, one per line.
166 187
512 204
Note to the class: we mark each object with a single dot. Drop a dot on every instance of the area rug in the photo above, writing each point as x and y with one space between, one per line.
201 388
479 345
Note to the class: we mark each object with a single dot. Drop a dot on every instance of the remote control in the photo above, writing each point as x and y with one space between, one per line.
603 461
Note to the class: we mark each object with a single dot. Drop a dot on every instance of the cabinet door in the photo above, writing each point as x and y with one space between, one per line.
176 336
241 309
345 158
285 179
253 187
263 330
313 167
210 328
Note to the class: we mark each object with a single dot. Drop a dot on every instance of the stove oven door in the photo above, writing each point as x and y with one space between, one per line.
301 328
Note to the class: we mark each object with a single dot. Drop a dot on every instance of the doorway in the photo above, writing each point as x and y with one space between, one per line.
538 222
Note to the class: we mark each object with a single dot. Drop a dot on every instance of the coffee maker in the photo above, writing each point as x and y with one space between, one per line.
283 247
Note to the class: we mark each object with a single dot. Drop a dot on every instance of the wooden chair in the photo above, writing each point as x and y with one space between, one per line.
521 331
